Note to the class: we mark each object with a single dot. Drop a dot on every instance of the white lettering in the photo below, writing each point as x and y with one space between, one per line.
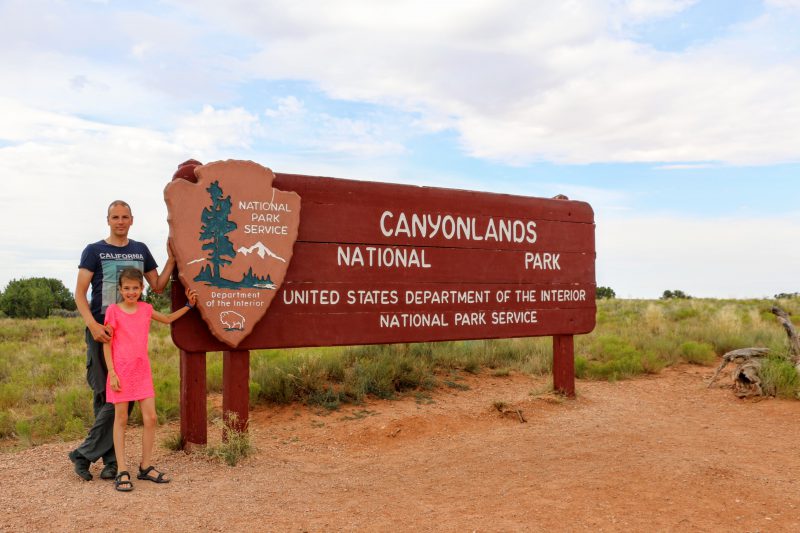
542 261
413 320
514 317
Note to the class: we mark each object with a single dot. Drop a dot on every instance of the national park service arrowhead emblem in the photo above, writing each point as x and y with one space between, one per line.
232 235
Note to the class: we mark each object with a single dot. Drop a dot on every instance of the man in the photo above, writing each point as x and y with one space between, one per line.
99 268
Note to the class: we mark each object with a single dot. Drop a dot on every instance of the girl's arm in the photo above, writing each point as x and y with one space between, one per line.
191 296
112 375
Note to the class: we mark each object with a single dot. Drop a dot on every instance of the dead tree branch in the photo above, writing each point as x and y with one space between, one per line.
739 357
794 340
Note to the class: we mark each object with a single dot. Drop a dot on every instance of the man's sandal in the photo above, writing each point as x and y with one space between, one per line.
123 485
145 474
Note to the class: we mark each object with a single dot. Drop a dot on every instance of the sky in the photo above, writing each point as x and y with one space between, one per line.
677 120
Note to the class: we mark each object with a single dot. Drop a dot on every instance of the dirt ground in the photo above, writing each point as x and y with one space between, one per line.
659 453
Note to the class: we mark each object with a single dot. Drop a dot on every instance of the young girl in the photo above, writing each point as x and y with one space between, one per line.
129 375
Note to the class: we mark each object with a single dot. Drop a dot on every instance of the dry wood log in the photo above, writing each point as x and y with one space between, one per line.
746 375
746 379
739 357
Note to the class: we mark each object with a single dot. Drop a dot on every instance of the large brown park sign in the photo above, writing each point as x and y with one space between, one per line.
284 260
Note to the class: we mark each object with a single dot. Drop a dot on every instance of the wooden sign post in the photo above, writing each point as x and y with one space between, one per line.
377 263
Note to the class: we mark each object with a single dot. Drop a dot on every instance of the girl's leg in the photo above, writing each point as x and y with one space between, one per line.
149 419
120 422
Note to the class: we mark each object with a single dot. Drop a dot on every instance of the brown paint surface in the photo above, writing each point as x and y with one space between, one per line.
327 298
233 235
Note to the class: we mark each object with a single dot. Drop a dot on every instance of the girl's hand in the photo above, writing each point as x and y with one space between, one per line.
114 381
191 295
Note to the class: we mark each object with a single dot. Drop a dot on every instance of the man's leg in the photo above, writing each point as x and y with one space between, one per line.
100 440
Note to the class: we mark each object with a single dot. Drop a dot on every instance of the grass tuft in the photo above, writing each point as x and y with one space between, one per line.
780 378
173 442
235 447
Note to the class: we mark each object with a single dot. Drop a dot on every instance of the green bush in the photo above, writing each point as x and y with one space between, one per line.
7 424
236 445
779 378
35 298
679 295
161 302
700 353
605 293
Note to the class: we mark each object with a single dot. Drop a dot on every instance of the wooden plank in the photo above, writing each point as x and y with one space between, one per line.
235 389
352 193
354 296
194 419
392 226
278 330
564 365
325 262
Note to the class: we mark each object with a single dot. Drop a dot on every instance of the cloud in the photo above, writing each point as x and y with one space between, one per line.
367 134
789 4
60 173
642 256
523 82
640 10
214 129
518 82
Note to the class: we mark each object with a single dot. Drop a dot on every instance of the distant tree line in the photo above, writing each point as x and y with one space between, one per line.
675 295
36 298
605 292
787 295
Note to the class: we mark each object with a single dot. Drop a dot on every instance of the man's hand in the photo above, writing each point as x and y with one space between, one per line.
100 332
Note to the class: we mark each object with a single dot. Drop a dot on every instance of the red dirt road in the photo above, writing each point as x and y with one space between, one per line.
659 453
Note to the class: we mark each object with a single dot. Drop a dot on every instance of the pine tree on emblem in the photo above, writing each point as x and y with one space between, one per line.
215 228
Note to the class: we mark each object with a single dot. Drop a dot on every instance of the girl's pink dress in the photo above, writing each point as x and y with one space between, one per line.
129 353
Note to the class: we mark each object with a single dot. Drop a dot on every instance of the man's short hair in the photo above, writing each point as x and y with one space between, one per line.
118 202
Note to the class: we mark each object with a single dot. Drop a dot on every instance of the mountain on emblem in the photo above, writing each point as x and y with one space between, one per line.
261 250
233 236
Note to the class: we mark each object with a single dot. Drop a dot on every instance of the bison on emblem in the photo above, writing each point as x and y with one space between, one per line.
231 320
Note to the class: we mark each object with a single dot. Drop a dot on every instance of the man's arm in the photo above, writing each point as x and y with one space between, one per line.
100 332
158 281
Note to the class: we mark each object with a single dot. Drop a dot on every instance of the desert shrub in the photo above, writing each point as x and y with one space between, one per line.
683 313
11 394
654 319
173 442
7 424
236 445
612 357
274 384
24 431
700 353
162 301
73 403
168 392
779 378
64 313
214 372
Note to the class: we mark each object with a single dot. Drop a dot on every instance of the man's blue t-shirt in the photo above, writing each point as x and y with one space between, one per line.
106 261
